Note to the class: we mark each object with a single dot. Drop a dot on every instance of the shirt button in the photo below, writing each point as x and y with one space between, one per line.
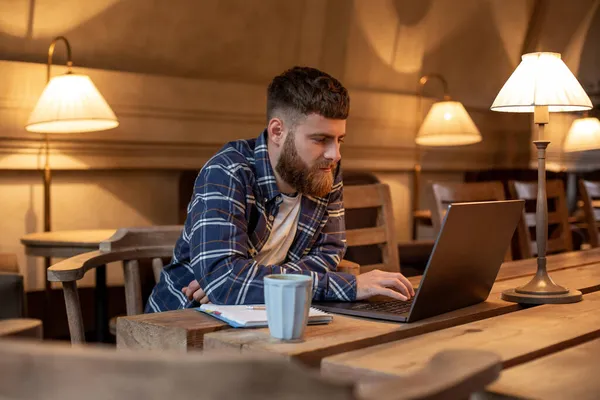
271 218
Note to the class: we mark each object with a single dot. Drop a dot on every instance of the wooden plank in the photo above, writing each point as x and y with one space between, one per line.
573 371
362 196
517 338
171 330
366 236
347 334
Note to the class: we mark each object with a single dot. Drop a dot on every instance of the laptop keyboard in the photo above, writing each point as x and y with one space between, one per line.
393 306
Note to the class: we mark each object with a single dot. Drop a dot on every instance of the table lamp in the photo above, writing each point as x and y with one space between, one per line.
541 83
584 135
446 124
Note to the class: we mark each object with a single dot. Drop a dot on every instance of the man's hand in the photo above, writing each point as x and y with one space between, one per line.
194 291
390 284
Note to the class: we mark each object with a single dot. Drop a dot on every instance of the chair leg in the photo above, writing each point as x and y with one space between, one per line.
74 316
133 288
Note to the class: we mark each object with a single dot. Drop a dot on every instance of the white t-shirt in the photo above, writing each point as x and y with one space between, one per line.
283 231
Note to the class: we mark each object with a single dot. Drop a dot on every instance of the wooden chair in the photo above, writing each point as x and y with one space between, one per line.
54 371
559 230
128 245
378 197
590 194
12 302
446 193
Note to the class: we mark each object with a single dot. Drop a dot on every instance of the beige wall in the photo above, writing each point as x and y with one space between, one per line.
82 200
185 76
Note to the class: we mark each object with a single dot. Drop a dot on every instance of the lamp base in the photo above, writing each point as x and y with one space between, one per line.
569 296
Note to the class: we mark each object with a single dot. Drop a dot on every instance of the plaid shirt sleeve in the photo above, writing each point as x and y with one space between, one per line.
219 252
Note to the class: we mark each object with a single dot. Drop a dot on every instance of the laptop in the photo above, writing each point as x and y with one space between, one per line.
461 270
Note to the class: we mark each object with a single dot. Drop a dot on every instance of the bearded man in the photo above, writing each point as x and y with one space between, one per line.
273 205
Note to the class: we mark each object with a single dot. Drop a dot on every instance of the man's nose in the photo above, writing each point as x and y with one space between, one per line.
333 153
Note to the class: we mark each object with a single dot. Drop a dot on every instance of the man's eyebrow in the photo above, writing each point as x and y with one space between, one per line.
328 135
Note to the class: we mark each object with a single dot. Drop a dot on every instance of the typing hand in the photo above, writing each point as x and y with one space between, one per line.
390 284
195 292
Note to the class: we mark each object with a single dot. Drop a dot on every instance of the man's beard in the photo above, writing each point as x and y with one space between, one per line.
307 180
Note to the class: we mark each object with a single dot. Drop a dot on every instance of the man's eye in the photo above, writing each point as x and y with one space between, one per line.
318 140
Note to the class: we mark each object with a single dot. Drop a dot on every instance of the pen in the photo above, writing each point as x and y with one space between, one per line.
256 307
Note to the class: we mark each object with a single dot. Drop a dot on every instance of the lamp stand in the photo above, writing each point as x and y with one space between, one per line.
541 289
47 182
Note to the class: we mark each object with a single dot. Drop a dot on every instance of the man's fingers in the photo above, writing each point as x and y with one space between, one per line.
405 282
391 293
199 295
204 300
397 284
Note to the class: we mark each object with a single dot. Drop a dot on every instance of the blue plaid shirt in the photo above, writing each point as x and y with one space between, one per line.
229 219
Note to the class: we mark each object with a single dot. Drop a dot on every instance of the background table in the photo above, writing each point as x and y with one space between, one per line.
65 244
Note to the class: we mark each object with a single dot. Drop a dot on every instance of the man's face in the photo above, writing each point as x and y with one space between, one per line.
310 154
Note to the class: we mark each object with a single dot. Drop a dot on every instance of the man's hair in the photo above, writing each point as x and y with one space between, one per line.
300 91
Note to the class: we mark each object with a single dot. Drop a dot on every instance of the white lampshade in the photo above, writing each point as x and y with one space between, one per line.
447 124
583 135
541 79
71 103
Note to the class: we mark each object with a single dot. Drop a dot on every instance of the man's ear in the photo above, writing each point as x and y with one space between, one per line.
275 131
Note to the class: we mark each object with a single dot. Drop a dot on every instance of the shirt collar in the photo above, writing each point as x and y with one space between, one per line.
264 171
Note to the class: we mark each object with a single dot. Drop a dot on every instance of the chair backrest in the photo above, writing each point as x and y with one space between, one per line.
378 197
559 230
127 245
590 194
446 193
53 371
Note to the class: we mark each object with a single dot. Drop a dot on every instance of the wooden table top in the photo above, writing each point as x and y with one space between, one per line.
64 244
185 329
347 334
517 338
573 371
77 238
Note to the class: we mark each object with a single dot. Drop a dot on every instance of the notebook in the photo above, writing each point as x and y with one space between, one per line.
247 317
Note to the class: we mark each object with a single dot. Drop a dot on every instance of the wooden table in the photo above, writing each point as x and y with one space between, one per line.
347 334
187 329
573 371
65 244
542 349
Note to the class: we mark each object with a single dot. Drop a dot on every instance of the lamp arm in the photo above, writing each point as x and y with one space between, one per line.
425 78
51 53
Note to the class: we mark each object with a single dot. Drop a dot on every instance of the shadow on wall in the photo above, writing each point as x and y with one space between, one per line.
186 38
